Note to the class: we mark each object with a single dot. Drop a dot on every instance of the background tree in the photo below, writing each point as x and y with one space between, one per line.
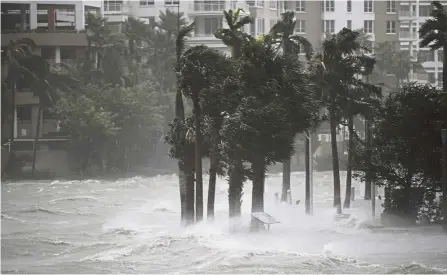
404 152
433 33
337 67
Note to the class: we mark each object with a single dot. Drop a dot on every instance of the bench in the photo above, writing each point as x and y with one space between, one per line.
264 218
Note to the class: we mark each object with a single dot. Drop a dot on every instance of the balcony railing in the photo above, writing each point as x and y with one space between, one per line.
405 13
217 7
408 35
209 7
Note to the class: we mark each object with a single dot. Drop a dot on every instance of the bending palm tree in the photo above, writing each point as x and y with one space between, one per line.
234 38
186 160
283 34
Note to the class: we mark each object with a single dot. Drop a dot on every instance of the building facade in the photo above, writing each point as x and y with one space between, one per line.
56 29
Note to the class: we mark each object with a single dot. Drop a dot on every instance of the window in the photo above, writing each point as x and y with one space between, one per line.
273 4
425 11
426 56
171 2
441 56
211 25
24 113
147 2
391 6
431 78
368 6
390 26
252 29
300 26
113 5
260 23
368 26
260 3
349 6
349 24
329 26
301 6
330 5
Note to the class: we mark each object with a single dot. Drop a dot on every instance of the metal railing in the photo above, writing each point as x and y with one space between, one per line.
408 35
405 13
209 7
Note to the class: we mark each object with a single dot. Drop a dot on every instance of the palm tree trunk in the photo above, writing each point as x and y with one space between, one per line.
214 161
36 139
335 163
180 114
198 158
307 167
13 114
286 170
347 203
368 152
188 170
257 203
236 183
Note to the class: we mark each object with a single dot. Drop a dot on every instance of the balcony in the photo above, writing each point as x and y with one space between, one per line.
207 8
54 39
407 15
406 35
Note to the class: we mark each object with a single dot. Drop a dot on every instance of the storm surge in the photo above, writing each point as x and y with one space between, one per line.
133 226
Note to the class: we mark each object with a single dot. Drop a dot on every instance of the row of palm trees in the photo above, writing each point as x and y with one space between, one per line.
248 108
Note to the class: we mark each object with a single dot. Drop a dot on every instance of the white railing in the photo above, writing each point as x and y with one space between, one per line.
209 7
404 13
408 35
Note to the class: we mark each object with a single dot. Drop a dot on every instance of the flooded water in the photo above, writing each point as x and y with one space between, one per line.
132 226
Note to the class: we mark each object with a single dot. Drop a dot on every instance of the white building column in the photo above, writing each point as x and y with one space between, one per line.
33 15
57 55
79 16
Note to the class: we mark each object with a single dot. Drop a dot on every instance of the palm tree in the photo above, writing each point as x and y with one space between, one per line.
197 68
391 60
234 38
135 32
337 67
433 33
15 52
186 160
283 34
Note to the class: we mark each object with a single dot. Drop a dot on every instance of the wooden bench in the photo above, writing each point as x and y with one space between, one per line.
264 218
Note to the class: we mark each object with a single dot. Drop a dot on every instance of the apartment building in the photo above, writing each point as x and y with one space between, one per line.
207 14
56 28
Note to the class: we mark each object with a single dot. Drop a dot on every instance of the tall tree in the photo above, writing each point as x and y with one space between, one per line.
337 68
185 154
197 69
15 72
391 60
291 44
234 37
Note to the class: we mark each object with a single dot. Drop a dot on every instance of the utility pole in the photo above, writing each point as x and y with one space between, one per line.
309 180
